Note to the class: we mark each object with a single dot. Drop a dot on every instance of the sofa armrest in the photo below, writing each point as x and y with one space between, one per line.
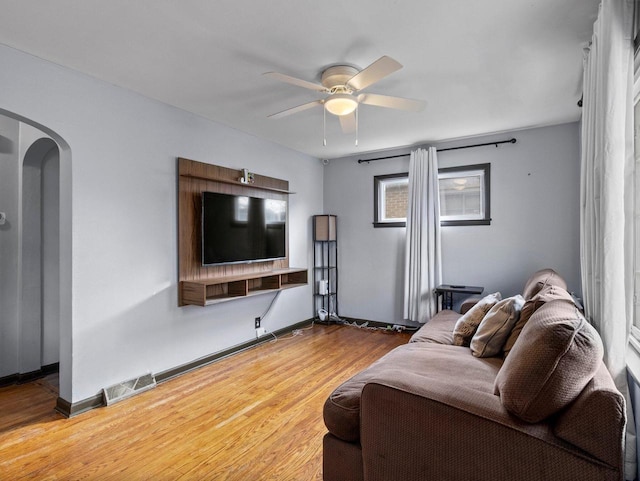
596 420
468 303
416 428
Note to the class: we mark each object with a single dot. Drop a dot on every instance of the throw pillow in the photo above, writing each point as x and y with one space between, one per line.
540 279
556 356
496 327
546 294
466 326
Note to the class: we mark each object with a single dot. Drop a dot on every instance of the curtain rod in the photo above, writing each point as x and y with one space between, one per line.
510 141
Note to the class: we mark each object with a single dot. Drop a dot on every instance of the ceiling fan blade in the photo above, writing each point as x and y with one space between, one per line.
348 123
376 71
295 110
392 102
295 81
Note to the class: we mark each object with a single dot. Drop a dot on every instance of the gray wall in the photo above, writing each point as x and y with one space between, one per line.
118 230
50 258
9 242
534 210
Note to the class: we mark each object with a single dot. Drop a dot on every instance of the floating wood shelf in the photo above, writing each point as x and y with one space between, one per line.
204 292
237 182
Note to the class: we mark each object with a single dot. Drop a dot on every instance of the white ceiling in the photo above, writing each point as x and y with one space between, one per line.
482 66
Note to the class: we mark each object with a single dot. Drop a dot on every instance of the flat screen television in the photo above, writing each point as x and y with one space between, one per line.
240 229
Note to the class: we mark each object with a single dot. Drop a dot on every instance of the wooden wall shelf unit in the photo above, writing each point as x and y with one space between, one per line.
205 285
212 291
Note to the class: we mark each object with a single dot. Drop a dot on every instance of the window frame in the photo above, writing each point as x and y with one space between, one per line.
485 194
380 180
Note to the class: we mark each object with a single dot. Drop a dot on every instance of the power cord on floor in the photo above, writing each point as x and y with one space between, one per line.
343 322
294 333
387 328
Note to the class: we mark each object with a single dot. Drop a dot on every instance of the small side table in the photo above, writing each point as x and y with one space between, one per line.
446 291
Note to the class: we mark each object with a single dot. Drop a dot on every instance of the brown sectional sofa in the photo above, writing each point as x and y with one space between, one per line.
432 410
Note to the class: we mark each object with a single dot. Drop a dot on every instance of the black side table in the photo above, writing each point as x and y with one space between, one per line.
448 290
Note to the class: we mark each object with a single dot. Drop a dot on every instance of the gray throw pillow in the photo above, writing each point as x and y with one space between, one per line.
496 327
546 294
466 326
556 356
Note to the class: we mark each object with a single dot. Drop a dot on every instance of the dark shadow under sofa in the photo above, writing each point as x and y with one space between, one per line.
432 410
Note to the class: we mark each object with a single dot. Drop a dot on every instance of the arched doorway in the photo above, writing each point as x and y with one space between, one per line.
39 320
35 251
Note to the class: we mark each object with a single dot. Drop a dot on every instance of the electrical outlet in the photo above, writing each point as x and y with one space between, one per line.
257 322
260 331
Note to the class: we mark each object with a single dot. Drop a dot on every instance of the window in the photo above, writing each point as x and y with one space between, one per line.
390 194
464 197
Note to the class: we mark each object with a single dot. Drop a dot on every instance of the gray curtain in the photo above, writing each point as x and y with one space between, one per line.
423 263
606 191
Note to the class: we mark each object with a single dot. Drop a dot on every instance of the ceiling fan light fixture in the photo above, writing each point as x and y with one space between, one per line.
340 104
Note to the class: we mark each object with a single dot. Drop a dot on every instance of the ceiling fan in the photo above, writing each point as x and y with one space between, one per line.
342 84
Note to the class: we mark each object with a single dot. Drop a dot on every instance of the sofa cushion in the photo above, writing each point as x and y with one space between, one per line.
496 327
466 326
540 279
438 330
546 294
557 354
428 360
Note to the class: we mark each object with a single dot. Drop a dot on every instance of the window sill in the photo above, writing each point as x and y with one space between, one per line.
389 224
445 223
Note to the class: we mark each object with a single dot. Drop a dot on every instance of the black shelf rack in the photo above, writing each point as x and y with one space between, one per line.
325 268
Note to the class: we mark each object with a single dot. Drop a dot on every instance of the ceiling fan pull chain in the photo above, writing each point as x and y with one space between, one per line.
324 127
357 125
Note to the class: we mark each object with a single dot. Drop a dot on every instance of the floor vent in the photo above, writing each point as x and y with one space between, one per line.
127 389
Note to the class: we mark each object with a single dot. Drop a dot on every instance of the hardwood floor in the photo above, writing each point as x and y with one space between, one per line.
256 415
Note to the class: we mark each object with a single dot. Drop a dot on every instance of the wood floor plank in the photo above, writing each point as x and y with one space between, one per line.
256 415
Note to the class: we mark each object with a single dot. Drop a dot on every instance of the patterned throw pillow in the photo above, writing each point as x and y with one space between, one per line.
496 326
541 279
466 326
556 356
546 294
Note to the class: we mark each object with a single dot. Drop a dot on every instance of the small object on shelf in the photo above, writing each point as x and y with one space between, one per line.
323 287
247 177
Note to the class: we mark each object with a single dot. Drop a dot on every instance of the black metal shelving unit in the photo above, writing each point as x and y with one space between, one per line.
325 267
